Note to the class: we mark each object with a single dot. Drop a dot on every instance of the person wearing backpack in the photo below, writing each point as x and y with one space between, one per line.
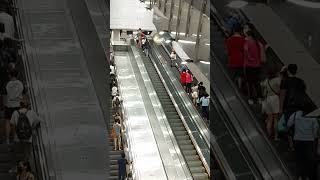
116 102
305 134
24 121
14 90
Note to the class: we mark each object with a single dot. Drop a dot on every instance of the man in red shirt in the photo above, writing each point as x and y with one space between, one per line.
235 45
183 78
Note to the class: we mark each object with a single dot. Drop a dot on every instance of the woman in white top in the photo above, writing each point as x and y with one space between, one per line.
271 102
173 57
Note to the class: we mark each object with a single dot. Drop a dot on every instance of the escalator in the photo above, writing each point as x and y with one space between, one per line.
234 151
184 141
238 113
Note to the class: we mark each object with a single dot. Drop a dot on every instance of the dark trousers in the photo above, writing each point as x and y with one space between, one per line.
122 176
205 111
304 152
188 88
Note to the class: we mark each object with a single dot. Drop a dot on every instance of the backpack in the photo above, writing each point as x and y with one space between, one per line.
24 128
117 102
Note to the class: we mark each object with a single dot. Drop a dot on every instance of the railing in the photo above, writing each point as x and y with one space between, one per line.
39 152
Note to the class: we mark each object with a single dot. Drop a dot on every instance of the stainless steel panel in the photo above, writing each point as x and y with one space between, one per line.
142 143
171 155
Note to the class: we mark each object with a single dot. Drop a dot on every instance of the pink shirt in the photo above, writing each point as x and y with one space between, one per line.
252 53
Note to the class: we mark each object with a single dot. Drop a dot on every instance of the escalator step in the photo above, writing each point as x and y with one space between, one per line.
197 170
180 133
187 147
200 176
193 160
190 152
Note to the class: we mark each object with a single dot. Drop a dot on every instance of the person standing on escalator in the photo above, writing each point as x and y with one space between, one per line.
183 79
173 58
253 50
188 82
235 45
204 102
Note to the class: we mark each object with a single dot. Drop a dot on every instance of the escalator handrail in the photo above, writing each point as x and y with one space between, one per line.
41 162
258 127
183 119
209 137
254 121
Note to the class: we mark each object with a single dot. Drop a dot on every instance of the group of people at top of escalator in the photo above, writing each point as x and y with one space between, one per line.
18 121
142 42
281 95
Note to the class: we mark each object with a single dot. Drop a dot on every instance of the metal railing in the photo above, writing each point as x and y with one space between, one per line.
38 149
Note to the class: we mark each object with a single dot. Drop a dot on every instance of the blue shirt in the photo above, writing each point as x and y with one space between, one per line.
306 128
205 101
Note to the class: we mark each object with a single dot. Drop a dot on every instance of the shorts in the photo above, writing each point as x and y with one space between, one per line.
271 105
9 111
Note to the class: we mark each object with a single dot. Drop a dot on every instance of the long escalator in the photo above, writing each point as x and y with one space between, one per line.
237 110
229 142
184 141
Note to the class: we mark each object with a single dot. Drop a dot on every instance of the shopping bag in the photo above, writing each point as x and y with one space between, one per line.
282 126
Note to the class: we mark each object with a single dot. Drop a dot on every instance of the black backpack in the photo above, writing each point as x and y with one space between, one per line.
24 128
117 102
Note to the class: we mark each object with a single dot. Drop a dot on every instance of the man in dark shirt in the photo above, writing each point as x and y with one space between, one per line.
291 88
122 164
